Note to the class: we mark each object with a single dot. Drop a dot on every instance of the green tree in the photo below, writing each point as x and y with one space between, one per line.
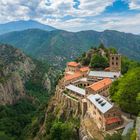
112 50
126 94
133 135
128 64
85 61
14 118
115 136
102 46
114 88
98 61
62 131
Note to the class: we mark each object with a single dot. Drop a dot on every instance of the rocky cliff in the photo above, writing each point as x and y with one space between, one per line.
65 109
15 69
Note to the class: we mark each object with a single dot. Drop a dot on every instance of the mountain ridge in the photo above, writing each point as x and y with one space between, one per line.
23 25
59 46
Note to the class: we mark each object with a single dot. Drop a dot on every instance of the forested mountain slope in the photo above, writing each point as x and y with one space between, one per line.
60 46
25 86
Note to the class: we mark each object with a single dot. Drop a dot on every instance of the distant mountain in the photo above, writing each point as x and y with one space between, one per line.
60 46
23 25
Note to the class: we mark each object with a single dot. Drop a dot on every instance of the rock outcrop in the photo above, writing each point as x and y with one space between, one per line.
15 69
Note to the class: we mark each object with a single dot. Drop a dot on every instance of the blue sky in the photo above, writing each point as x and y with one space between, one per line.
76 15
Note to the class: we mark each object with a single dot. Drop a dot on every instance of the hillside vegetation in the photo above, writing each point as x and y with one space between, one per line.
126 91
15 69
96 58
60 46
37 79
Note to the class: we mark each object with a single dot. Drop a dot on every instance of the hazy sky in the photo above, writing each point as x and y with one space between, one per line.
76 15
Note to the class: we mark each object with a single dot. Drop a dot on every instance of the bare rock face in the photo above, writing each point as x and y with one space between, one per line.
11 90
15 69
47 83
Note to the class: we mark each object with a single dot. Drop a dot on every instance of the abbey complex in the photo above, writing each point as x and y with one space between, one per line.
88 90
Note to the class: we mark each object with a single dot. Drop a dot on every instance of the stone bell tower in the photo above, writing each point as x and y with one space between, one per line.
115 62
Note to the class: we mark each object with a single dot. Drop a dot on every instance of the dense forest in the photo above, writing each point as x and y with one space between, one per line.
126 91
16 120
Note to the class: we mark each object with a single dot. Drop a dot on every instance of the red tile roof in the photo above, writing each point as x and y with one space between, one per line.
73 76
84 69
73 64
112 120
107 69
101 84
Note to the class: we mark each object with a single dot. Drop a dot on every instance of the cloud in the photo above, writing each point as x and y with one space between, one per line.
90 8
25 9
12 10
129 23
88 14
134 4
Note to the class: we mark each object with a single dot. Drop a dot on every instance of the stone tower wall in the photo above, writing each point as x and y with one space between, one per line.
115 62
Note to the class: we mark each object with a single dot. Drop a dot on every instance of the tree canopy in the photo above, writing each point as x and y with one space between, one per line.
99 61
128 64
62 131
126 91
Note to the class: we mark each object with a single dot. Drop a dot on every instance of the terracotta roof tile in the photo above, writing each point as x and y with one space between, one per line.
73 64
101 84
107 69
84 69
112 120
73 76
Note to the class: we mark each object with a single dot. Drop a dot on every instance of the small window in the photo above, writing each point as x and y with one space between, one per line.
116 58
112 58
112 63
116 63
